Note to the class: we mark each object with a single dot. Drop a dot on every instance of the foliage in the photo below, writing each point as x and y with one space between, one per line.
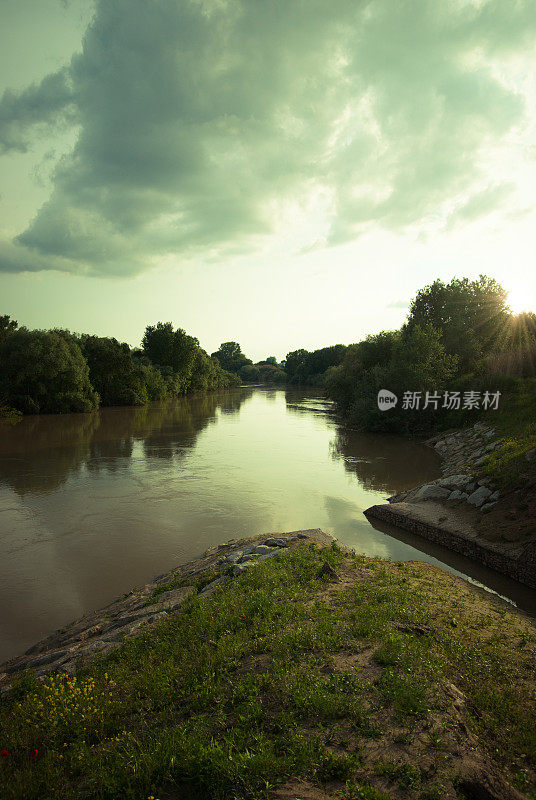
207 374
409 361
9 415
471 316
45 371
269 373
231 357
458 336
117 377
166 347
56 371
250 373
309 368
7 326
514 460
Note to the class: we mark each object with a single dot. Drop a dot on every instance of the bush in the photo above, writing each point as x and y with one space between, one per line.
45 371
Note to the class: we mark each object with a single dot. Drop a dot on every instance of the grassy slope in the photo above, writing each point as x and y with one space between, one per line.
290 685
516 421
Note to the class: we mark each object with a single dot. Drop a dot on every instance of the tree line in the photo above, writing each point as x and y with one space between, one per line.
56 371
459 337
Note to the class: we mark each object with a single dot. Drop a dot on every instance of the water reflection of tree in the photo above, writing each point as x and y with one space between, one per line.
231 401
177 430
39 454
306 402
382 462
186 418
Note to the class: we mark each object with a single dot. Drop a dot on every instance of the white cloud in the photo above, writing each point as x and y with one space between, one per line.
202 121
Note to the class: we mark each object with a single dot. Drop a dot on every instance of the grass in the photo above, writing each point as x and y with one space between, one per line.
282 676
508 465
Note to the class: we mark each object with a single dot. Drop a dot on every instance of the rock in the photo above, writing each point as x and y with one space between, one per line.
327 571
396 498
301 536
261 550
215 586
238 569
495 496
477 497
47 658
233 557
470 487
179 596
93 648
431 491
273 542
486 507
126 630
456 495
454 481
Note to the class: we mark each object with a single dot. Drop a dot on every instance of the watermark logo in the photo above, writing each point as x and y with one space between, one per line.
488 401
415 401
386 400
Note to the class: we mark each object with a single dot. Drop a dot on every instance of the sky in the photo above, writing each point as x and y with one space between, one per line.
281 173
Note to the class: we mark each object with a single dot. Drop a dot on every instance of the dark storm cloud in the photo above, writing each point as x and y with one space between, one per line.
40 104
197 118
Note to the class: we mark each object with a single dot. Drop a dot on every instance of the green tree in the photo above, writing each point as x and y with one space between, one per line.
471 315
304 367
294 363
409 361
250 374
231 357
166 347
208 375
45 371
7 326
120 379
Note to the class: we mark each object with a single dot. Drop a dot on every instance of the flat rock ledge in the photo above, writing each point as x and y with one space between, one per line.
68 649
431 521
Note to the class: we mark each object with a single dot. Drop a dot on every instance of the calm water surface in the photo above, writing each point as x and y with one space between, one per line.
94 504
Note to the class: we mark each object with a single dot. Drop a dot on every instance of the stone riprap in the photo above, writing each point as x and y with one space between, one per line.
463 454
452 510
463 451
100 632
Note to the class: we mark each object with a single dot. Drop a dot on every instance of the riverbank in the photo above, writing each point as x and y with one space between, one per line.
300 670
469 509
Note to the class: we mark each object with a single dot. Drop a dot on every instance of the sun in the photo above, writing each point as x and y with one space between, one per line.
520 301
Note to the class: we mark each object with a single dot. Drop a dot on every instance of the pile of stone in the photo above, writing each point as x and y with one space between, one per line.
67 649
465 450
478 493
463 454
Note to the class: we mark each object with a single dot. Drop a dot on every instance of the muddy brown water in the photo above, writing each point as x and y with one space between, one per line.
94 504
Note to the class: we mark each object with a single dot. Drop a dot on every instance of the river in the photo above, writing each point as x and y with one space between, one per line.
94 504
